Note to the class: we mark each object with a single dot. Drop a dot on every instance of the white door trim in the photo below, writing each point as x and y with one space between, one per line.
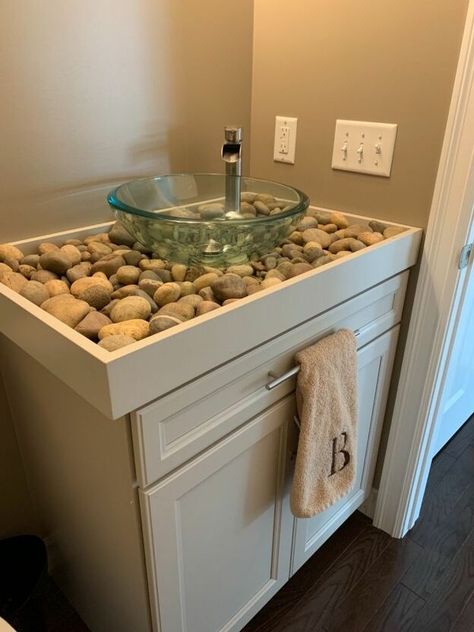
440 287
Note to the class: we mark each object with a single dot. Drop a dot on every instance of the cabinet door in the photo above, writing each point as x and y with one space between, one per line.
375 363
217 536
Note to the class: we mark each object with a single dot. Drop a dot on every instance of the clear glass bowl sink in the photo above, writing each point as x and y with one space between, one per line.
183 217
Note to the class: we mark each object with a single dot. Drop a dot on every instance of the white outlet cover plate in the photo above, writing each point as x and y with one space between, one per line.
288 123
377 141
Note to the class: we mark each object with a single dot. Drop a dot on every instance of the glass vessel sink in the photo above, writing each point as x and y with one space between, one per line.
186 218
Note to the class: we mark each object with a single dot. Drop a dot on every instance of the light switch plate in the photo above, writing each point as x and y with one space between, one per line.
285 139
364 147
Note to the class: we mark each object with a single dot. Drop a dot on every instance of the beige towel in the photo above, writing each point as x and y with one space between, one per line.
326 397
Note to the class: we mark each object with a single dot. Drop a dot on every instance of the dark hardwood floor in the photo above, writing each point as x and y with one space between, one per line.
362 580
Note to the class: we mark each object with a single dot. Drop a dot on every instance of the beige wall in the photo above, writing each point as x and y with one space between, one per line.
97 91
388 61
94 92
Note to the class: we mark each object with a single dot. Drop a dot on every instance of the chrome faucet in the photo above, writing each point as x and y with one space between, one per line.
232 156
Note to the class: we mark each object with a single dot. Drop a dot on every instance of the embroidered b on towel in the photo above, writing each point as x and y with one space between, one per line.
326 397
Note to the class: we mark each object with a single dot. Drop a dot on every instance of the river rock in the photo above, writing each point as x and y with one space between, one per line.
35 292
186 288
136 328
4 267
150 285
205 280
391 231
241 270
248 196
296 238
349 243
369 239
128 275
13 280
114 342
275 274
86 282
108 264
339 219
183 311
211 211
55 261
91 324
66 308
98 249
355 229
206 306
132 257
271 282
26 271
312 251
299 268
191 299
118 234
328 228
261 207
96 296
178 272
322 261
79 271
47 246
248 209
43 276
56 287
167 293
376 226
207 294
307 222
163 322
7 251
30 260
315 234
229 286
153 265
130 308
72 253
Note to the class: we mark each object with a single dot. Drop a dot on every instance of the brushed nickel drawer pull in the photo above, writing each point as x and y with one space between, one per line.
288 375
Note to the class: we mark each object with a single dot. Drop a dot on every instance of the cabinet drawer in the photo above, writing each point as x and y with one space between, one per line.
183 423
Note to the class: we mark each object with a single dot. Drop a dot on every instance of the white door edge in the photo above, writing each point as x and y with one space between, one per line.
435 310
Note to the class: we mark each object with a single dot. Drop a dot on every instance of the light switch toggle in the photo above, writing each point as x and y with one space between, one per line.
360 152
378 149
344 151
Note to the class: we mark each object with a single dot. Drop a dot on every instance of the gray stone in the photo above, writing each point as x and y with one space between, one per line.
98 249
377 226
112 343
132 257
229 286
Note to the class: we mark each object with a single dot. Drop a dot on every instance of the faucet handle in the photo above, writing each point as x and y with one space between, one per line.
233 134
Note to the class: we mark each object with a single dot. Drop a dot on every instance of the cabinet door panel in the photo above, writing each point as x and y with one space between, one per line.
374 370
219 539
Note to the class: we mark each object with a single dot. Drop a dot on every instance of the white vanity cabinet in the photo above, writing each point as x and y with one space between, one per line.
220 537
162 471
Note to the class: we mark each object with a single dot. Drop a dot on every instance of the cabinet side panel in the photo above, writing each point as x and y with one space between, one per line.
81 474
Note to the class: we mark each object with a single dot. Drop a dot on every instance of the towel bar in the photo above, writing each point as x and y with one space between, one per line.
289 374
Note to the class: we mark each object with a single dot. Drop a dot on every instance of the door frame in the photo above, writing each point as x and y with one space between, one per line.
435 313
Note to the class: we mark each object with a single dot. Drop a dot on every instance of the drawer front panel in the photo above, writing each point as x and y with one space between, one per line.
178 426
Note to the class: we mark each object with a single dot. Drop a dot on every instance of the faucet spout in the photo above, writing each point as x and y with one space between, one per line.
232 156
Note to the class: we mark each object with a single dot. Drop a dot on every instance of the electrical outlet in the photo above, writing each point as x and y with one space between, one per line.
285 139
364 147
